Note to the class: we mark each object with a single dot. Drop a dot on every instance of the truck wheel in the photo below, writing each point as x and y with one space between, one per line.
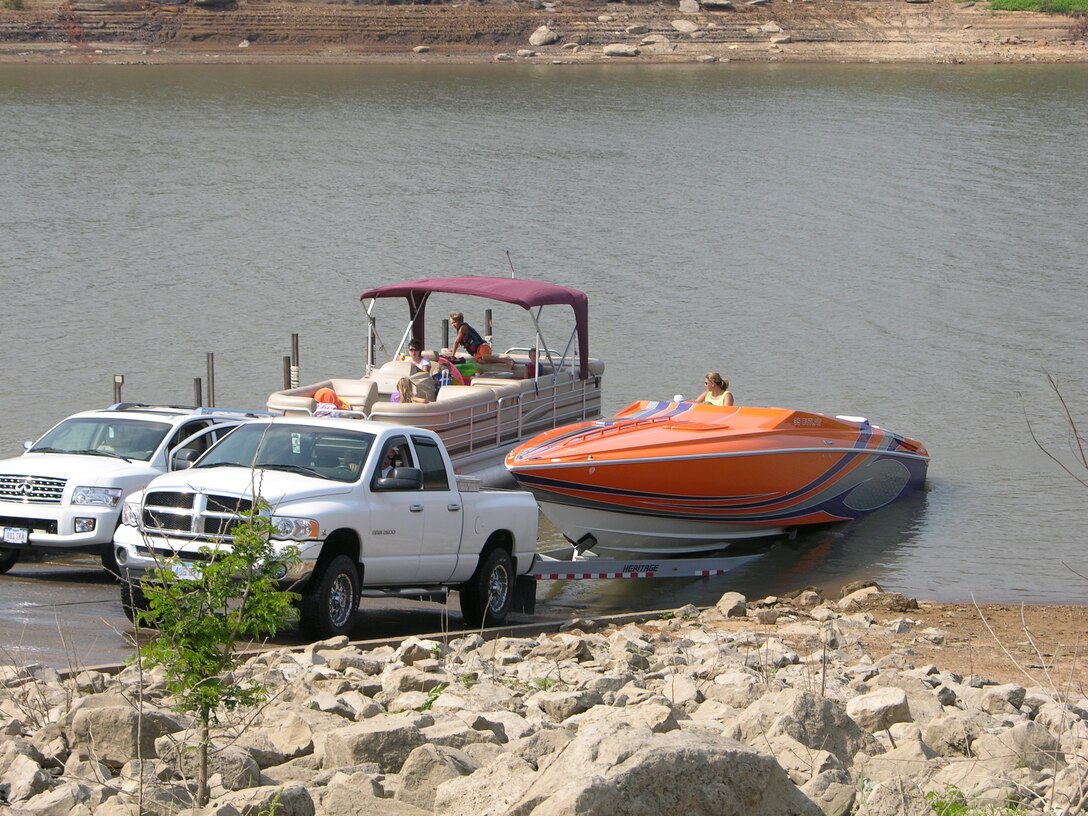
332 597
110 558
487 595
8 557
133 600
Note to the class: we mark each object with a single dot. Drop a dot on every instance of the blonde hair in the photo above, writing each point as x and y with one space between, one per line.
718 380
457 317
404 388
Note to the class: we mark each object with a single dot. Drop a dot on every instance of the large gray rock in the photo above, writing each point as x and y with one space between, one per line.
817 722
624 771
543 36
901 797
559 705
289 800
113 735
833 791
426 768
880 709
236 767
489 792
24 778
63 800
910 759
280 735
386 741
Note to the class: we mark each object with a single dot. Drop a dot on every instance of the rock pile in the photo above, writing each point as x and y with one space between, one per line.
683 713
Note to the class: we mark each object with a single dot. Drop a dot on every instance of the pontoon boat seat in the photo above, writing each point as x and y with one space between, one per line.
360 395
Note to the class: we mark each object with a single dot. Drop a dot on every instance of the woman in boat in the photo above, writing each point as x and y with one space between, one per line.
416 358
470 339
717 390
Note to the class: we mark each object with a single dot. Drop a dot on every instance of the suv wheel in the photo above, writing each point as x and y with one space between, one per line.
8 557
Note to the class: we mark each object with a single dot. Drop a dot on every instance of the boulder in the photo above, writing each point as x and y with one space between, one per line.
817 722
426 768
543 36
115 734
685 27
900 797
879 709
289 800
834 792
386 741
620 50
622 771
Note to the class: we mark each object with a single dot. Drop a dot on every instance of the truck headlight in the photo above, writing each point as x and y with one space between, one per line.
130 514
97 496
296 529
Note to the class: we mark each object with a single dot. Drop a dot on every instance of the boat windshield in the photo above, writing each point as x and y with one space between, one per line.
127 439
324 453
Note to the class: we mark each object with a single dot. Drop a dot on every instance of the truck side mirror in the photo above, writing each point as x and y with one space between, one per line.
183 459
403 478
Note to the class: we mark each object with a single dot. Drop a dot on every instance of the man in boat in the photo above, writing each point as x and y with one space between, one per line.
470 339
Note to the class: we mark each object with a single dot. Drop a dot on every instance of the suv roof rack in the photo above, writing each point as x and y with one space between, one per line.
139 406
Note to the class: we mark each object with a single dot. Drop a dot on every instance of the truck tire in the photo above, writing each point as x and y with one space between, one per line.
8 557
487 595
133 599
332 597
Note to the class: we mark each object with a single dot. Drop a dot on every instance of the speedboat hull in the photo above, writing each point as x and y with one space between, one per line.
676 477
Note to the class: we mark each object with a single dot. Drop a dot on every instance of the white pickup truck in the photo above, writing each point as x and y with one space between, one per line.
371 506
64 494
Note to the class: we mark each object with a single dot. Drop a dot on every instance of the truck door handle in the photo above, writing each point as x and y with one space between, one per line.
453 508
416 508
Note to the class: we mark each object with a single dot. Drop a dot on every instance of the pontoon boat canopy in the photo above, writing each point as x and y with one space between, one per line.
523 293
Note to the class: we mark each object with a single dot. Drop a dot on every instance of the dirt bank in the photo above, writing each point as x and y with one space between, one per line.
256 31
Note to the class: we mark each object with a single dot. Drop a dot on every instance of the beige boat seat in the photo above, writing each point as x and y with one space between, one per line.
359 395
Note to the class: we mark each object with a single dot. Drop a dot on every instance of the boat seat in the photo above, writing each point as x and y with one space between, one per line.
359 395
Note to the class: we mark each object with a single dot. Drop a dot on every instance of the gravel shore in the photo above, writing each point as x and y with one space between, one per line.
690 31
863 704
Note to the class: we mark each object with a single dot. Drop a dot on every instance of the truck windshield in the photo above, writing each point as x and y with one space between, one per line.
326 453
104 436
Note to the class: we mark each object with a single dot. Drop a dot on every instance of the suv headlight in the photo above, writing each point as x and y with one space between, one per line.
296 529
96 496
130 514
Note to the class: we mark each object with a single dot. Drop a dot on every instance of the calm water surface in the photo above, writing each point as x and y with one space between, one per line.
904 243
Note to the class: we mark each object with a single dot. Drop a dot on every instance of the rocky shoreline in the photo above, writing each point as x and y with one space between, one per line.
774 706
534 31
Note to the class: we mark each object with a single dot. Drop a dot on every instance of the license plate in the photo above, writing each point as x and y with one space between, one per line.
182 571
16 535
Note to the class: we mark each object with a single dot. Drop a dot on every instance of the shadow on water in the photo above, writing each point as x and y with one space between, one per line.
827 558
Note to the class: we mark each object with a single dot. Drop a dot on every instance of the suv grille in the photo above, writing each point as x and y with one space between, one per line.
193 515
31 489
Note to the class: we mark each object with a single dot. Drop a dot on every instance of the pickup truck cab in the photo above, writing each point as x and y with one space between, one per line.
370 506
64 494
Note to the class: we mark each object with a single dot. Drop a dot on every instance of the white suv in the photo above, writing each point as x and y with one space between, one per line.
65 493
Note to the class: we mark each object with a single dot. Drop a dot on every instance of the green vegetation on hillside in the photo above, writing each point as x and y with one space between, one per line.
1071 7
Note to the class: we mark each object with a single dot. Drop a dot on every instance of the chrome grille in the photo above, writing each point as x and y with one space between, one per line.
31 489
193 515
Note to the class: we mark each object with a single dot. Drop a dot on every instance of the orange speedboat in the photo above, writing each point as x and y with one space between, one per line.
681 477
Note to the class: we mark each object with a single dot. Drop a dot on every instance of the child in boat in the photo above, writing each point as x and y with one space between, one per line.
405 392
717 390
470 339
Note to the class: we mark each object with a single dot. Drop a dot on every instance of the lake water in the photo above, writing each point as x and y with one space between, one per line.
903 243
